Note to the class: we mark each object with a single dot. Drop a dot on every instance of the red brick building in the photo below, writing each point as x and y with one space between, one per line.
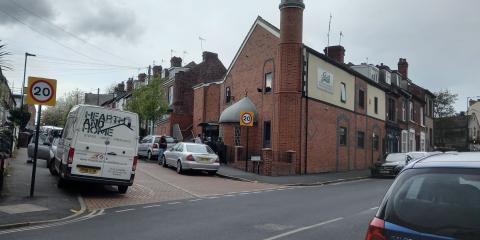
313 112
180 93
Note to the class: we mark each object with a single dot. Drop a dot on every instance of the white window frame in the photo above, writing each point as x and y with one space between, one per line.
404 139
411 111
404 111
422 142
343 92
411 141
170 95
422 117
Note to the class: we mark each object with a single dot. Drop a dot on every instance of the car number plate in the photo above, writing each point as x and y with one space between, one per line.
204 160
87 170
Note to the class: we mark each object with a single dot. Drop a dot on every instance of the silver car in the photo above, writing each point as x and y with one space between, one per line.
44 151
191 156
148 146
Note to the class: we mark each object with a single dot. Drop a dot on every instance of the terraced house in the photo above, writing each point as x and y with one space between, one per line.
313 112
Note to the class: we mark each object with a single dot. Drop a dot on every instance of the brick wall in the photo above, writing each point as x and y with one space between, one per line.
257 58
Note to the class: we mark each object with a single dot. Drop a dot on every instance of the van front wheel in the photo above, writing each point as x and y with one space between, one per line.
122 189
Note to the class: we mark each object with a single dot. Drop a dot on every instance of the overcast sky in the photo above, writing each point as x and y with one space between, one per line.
92 44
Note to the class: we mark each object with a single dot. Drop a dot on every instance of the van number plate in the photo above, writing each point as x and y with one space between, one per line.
87 170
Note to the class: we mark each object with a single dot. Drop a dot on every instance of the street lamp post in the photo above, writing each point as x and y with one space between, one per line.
24 74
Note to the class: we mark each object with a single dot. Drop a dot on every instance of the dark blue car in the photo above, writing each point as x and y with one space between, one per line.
437 197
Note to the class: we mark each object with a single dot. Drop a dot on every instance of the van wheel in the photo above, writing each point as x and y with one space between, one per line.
61 183
122 189
179 167
164 161
51 168
149 155
212 173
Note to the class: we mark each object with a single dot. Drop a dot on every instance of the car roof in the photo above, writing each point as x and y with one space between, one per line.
448 160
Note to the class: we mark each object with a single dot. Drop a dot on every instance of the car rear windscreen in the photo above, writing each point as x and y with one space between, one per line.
440 201
194 148
395 157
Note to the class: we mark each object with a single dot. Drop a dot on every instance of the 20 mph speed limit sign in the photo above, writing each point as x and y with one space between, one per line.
42 91
246 119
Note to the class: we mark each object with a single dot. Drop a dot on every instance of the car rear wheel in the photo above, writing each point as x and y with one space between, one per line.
212 173
61 183
179 167
122 189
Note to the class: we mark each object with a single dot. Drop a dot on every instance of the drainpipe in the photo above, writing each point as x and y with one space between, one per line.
305 75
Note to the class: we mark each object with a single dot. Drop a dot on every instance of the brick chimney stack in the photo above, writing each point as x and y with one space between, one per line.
287 90
157 71
208 56
336 53
129 85
403 67
142 77
176 62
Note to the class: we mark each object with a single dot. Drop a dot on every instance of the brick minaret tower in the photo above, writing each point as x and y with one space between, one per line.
288 85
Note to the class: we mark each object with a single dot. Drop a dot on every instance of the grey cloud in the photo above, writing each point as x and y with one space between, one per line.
16 8
110 20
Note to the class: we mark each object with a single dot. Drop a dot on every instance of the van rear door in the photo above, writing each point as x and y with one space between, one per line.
105 144
122 147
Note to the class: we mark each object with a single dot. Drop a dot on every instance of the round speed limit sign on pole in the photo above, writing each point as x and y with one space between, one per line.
246 119
42 91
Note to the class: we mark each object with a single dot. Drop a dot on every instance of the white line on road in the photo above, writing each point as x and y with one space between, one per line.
244 193
213 197
173 203
196 199
125 210
229 195
303 229
150 206
374 208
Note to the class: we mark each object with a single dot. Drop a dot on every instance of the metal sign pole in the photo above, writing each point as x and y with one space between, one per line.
34 167
246 153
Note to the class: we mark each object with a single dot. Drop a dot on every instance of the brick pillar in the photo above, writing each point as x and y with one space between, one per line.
287 89
267 157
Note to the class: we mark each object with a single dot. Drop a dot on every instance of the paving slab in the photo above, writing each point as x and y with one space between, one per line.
48 202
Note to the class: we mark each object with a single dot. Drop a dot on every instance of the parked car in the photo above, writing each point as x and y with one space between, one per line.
98 145
390 165
393 163
148 146
44 150
436 197
191 156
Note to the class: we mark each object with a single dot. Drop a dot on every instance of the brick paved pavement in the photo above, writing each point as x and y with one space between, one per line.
154 183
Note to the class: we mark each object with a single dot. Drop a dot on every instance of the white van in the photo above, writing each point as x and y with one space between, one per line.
98 145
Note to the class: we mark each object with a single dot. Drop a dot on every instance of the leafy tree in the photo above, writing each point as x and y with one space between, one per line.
443 105
19 117
57 115
149 101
